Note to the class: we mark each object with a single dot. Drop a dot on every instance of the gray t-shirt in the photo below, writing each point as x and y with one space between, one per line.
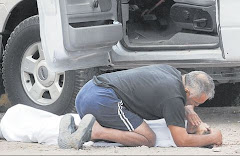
152 92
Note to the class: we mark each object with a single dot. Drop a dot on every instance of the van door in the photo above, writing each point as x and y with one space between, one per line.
78 34
230 28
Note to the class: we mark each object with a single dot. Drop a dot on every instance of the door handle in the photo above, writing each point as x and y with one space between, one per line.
202 22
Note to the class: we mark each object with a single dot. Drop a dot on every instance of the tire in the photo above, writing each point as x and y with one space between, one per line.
1 80
27 78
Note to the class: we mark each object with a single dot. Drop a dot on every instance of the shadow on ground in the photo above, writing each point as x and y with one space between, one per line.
225 95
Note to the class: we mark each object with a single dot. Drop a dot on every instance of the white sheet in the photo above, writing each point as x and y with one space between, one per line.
26 124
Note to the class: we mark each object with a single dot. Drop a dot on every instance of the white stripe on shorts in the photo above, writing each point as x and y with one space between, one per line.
123 117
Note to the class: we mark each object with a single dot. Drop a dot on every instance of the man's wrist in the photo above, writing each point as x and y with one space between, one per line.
191 129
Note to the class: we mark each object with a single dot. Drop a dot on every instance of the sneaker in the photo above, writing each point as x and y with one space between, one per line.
84 131
66 128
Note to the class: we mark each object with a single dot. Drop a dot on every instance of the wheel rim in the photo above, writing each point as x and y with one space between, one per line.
42 85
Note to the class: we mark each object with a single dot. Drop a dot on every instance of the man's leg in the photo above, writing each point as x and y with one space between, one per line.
142 135
114 121
90 129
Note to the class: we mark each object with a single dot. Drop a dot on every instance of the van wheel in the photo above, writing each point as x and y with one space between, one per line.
28 79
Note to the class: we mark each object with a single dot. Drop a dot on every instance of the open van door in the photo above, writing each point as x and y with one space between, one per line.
78 34
230 28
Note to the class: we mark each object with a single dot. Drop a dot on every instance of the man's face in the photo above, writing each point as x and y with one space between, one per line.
196 101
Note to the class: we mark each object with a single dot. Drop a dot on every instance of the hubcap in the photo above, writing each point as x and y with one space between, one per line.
42 85
43 73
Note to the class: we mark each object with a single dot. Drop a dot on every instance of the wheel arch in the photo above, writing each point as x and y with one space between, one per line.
18 12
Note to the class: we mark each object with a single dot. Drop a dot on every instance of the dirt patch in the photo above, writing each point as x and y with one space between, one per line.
227 119
4 103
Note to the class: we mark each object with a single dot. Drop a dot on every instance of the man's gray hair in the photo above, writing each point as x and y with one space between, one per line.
200 82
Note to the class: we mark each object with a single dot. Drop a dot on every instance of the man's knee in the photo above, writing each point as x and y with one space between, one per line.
152 140
147 132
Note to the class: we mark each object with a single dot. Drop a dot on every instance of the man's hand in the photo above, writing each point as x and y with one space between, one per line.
192 116
217 135
203 129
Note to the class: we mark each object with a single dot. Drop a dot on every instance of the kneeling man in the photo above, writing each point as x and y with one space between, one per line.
113 105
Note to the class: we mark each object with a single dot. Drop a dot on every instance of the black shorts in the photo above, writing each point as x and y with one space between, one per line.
107 108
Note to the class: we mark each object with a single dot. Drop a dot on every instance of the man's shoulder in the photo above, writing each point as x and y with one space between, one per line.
165 68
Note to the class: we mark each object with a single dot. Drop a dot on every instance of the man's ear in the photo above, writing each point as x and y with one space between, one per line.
187 90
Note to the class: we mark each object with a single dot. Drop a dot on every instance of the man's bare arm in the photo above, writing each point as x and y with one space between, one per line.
183 139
